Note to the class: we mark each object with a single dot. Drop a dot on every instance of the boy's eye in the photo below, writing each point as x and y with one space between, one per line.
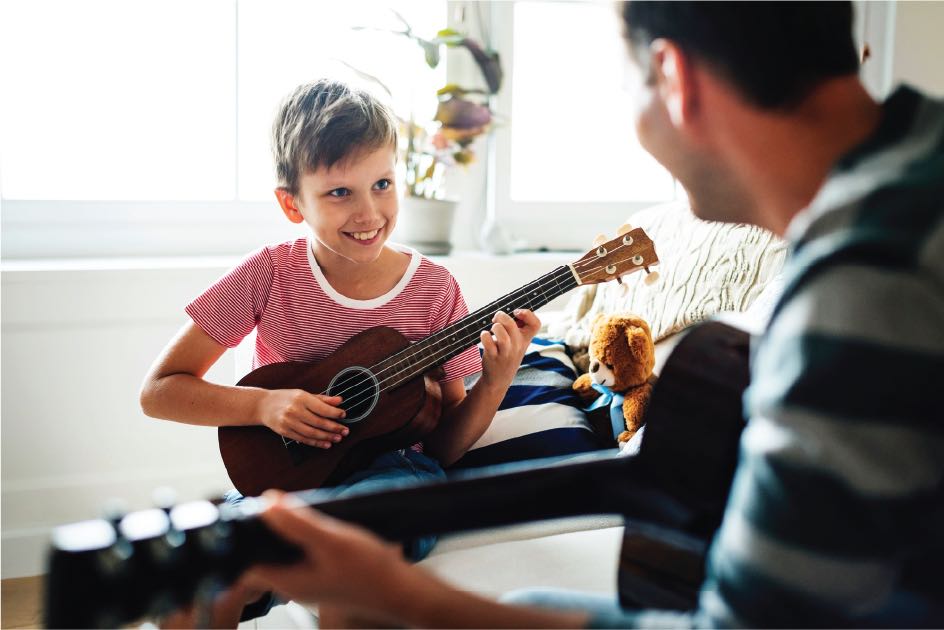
340 192
383 184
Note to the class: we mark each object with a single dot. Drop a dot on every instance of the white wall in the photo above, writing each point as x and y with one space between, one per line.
919 45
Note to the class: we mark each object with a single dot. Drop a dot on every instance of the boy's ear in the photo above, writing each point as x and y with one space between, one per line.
676 84
288 205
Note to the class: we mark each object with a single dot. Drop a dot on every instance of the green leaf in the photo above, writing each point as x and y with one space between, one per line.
430 51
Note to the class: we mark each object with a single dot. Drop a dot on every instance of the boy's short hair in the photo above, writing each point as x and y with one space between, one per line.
325 122
774 53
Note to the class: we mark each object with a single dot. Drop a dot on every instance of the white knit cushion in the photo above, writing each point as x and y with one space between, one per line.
705 268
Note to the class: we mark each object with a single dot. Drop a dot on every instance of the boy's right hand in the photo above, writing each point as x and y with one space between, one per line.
303 417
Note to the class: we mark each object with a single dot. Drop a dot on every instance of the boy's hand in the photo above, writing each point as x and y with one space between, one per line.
304 417
504 346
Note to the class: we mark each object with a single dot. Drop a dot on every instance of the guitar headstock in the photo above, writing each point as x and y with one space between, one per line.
106 573
612 259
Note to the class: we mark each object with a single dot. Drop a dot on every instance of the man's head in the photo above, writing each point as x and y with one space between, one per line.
711 74
335 156
775 53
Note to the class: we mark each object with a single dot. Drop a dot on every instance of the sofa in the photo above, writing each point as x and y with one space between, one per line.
707 271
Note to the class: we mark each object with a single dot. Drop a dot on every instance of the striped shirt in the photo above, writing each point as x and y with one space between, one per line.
836 513
280 291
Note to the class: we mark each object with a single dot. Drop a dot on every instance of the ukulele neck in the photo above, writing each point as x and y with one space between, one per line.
422 356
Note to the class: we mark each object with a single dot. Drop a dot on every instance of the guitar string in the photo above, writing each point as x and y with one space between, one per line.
446 350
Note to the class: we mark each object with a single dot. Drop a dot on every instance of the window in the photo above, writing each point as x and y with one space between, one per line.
131 128
567 165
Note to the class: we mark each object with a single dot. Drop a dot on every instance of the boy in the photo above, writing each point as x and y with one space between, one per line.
335 153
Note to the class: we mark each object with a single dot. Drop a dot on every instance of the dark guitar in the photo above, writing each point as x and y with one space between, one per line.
380 376
105 574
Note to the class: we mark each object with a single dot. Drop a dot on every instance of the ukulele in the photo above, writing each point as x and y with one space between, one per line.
389 398
107 573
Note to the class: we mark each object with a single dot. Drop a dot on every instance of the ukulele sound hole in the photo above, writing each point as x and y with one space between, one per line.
359 390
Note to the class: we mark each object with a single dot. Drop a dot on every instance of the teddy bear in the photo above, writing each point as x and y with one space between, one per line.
621 360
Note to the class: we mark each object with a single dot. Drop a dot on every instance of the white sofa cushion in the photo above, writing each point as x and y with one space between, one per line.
705 268
584 560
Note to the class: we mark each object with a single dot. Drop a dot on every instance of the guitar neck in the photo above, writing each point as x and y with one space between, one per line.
424 355
602 485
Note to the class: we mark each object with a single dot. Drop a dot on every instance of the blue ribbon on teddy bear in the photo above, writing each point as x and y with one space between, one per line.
615 402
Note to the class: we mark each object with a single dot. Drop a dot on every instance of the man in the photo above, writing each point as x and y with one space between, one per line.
836 514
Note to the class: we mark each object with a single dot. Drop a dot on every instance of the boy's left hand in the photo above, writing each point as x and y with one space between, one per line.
504 345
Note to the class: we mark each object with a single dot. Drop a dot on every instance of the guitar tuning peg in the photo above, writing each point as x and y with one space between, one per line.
623 229
599 239
652 278
113 511
619 279
164 497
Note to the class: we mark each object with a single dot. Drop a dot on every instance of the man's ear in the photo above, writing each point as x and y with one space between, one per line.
288 205
674 77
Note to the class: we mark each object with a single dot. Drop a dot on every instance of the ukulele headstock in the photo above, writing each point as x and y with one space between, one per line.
631 251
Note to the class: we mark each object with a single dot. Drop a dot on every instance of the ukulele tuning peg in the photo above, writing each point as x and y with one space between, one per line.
599 239
623 229
651 278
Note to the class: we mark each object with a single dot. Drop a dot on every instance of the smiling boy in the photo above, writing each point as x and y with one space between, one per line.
335 156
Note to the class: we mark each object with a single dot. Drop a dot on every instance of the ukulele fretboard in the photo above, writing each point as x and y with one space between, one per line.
424 355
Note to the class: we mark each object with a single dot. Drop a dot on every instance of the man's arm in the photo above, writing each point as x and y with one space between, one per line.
350 567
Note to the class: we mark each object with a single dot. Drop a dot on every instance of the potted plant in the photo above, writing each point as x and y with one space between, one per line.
429 148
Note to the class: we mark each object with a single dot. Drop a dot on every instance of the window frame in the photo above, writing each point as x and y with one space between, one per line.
525 222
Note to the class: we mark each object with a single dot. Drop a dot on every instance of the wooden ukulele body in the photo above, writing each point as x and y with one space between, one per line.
257 458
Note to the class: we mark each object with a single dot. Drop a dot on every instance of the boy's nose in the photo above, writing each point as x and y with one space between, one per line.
366 212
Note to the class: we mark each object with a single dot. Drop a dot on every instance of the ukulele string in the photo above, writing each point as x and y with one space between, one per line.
448 349
397 362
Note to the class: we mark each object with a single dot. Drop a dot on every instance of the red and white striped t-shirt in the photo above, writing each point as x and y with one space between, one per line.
281 291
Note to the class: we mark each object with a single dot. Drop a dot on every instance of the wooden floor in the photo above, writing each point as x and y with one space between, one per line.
21 602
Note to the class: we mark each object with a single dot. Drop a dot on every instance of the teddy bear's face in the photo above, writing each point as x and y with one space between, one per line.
621 352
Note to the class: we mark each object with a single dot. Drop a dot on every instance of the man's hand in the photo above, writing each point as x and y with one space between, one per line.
504 346
303 417
342 564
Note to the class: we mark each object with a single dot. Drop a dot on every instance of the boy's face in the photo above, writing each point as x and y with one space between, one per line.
351 207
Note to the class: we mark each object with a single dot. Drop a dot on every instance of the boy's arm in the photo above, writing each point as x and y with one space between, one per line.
466 417
174 389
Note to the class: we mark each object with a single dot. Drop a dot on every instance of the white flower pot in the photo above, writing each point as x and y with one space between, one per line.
426 224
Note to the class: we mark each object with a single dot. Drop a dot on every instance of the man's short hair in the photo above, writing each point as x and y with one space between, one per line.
775 53
322 123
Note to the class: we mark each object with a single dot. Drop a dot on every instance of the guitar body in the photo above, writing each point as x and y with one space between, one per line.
380 419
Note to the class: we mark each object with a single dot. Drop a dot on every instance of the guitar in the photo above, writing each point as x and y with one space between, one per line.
380 376
105 573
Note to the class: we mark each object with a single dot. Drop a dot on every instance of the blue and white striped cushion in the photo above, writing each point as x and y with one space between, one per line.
540 416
